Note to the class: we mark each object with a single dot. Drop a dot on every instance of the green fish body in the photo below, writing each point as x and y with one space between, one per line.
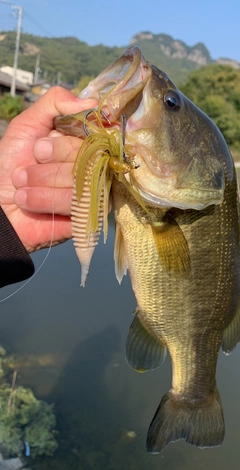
177 232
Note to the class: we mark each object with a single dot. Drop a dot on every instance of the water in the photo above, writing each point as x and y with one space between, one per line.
103 407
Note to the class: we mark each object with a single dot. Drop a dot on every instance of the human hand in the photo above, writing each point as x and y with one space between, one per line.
40 170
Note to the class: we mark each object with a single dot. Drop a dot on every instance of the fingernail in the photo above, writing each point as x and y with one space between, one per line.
43 150
20 178
20 197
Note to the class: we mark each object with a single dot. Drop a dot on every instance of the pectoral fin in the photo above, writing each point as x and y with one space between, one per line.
143 351
120 258
172 246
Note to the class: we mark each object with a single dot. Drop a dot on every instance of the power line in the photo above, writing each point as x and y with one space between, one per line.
7 3
21 12
30 18
27 16
5 19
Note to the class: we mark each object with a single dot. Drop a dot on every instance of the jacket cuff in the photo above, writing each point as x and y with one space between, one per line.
15 262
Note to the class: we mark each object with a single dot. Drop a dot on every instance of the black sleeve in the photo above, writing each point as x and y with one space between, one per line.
15 263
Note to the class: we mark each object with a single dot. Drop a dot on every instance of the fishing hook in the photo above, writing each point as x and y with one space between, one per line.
123 121
85 118
123 132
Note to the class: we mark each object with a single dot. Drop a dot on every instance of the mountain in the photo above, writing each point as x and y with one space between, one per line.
171 55
163 44
155 46
71 59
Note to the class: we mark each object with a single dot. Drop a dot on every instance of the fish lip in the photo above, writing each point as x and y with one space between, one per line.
125 77
118 79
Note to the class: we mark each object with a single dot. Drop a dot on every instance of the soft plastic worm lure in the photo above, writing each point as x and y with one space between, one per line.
102 156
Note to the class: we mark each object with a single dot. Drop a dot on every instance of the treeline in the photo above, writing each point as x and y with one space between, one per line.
216 90
71 59
67 57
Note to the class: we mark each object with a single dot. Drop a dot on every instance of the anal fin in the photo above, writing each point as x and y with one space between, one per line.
120 258
143 351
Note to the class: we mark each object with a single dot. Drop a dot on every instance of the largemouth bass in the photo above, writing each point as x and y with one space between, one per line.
175 200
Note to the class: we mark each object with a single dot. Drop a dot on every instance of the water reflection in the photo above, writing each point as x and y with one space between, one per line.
98 398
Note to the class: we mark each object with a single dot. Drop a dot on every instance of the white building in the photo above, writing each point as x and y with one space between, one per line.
22 75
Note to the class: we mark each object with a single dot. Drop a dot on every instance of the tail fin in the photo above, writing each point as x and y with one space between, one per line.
199 423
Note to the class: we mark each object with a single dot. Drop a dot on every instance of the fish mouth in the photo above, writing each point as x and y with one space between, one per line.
119 87
118 90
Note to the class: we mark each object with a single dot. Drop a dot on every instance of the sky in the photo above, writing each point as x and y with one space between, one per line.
215 23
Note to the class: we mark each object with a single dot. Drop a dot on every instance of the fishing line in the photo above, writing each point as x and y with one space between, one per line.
48 251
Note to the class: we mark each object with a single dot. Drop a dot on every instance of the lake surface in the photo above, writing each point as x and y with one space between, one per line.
103 407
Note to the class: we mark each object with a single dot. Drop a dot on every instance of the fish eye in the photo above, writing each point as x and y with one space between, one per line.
172 100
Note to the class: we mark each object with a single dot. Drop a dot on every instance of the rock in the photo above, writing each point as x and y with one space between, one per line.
11 464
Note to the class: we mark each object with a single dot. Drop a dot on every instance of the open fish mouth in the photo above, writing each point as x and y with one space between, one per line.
118 90
119 86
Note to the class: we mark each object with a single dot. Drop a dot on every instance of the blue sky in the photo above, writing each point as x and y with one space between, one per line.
215 23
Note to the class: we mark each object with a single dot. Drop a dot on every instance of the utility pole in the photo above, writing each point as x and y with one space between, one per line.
15 63
59 74
37 68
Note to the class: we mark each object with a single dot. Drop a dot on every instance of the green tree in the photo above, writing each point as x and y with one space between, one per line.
82 83
216 90
10 106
